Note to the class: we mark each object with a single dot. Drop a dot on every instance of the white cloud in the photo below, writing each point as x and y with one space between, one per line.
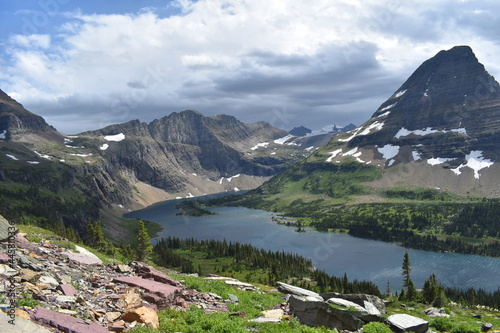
337 60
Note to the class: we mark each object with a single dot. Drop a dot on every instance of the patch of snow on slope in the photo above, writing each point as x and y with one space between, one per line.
115 138
476 162
389 107
388 151
376 125
32 162
333 154
439 160
81 155
391 162
104 146
416 155
351 137
12 156
400 93
190 195
236 189
231 178
384 114
309 148
404 132
42 155
351 152
2 135
262 144
284 139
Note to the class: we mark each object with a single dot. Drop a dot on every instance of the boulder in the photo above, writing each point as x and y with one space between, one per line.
48 280
345 303
289 289
306 311
142 315
68 289
361 300
65 323
435 312
21 325
6 271
85 257
403 323
166 292
4 258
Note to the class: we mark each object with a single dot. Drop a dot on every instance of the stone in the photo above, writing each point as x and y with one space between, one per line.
147 272
130 300
65 323
83 258
264 320
48 280
486 327
65 299
403 323
273 314
142 315
166 292
68 289
113 316
289 289
22 314
21 325
6 229
28 275
233 298
124 269
4 258
240 284
360 299
6 271
345 303
435 312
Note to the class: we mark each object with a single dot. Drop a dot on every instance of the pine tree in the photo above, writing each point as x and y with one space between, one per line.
144 247
411 291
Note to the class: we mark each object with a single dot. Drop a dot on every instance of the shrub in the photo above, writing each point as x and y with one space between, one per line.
376 327
465 328
442 324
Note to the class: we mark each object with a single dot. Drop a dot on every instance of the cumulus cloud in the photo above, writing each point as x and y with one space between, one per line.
290 62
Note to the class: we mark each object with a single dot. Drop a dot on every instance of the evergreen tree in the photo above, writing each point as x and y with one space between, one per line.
144 247
411 292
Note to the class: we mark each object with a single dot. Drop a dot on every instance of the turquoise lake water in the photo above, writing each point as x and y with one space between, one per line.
336 254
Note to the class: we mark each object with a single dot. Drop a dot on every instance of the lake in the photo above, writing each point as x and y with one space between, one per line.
333 253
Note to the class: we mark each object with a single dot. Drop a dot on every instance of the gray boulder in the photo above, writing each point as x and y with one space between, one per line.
289 289
404 323
361 300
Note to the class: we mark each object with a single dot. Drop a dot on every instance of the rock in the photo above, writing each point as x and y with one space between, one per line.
273 314
435 312
345 303
241 285
130 300
113 316
124 269
22 314
360 299
164 291
306 311
48 280
403 323
233 298
6 229
65 299
21 325
147 272
68 289
85 257
4 258
486 327
142 315
6 271
66 323
28 275
264 320
289 289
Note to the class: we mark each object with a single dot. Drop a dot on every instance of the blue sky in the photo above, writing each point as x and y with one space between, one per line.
86 64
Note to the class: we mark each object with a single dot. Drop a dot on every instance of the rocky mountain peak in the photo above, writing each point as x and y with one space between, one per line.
15 120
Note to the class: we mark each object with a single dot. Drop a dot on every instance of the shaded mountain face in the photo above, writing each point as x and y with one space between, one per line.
16 121
440 129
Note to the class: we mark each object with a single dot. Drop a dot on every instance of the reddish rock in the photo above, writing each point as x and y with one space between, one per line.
4 258
83 258
68 289
147 272
164 291
65 323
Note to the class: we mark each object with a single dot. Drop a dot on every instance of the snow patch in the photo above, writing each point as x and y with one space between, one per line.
416 155
32 162
439 160
389 107
400 93
104 146
190 195
333 155
42 155
351 137
236 189
384 114
263 144
231 178
404 132
12 156
2 135
376 125
391 162
81 155
388 151
284 139
273 153
115 138
476 162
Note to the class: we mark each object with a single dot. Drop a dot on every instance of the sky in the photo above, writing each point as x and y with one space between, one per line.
86 64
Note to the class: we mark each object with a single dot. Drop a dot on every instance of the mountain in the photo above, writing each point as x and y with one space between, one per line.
300 131
440 130
48 176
